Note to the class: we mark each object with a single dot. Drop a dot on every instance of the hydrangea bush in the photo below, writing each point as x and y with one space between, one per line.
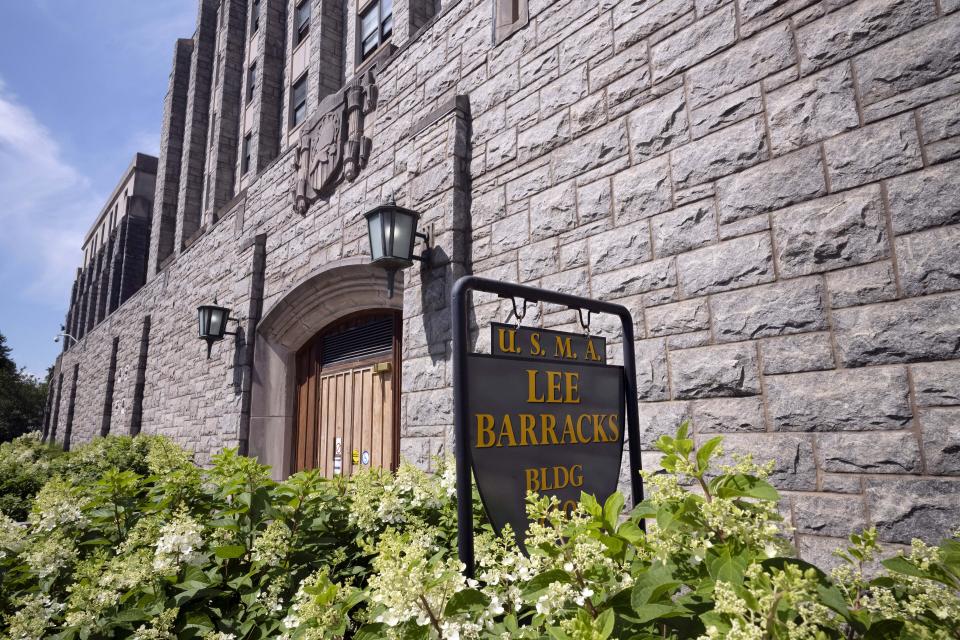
129 538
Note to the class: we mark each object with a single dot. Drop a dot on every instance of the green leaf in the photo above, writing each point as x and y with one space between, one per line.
230 551
372 631
590 504
744 486
705 451
726 567
466 601
611 510
606 620
539 583
649 612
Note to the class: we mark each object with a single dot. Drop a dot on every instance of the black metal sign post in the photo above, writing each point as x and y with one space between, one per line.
590 431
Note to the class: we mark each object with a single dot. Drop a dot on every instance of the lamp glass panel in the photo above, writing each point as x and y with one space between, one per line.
216 322
375 231
203 319
403 229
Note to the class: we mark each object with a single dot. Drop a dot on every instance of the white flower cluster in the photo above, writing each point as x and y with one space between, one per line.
273 545
59 505
180 542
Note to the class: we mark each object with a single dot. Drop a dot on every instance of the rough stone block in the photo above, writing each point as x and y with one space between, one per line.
536 260
693 44
718 154
929 261
941 440
689 340
936 383
828 515
812 109
795 354
511 232
725 111
659 126
715 371
426 408
928 198
593 201
849 400
749 61
841 483
641 278
660 418
769 310
880 150
864 284
642 190
553 211
922 56
737 263
684 228
542 137
619 248
590 151
636 21
908 508
744 227
728 415
869 453
794 468
857 27
940 120
680 317
911 99
901 331
651 356
775 184
832 232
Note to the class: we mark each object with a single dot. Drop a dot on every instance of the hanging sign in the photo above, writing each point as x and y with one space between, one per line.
546 415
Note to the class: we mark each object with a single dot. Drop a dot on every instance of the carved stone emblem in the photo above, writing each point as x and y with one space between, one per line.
332 147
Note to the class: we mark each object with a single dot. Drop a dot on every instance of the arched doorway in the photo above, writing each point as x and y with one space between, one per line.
347 395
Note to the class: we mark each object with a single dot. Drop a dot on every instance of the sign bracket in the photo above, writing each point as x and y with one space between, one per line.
460 298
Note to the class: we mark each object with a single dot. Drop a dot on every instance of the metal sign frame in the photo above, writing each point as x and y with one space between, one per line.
459 310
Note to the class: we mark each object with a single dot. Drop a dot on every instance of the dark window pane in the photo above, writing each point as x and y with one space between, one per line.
299 101
303 20
368 22
255 16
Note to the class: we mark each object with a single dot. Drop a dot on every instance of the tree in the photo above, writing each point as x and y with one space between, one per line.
22 397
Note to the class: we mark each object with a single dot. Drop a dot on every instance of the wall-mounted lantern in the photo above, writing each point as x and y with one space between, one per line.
212 320
393 232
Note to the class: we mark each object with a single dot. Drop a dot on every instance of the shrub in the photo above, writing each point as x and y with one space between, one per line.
25 465
172 550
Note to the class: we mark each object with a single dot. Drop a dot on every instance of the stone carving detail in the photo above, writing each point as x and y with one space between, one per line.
332 146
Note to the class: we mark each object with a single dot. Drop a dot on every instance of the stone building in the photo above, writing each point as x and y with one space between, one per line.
770 186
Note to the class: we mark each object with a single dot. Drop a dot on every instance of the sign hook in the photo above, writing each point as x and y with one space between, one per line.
518 316
585 325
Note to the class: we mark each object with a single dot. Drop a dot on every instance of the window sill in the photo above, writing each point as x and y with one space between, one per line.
379 54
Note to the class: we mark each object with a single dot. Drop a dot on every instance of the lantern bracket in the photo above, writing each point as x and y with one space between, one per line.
428 240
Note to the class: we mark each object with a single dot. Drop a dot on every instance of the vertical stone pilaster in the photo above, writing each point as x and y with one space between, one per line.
116 265
108 394
136 414
136 239
227 106
71 406
254 311
192 179
267 101
171 156
326 50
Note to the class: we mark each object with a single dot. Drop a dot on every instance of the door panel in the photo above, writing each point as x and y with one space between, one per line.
346 392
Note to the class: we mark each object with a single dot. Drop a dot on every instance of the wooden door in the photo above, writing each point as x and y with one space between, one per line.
347 395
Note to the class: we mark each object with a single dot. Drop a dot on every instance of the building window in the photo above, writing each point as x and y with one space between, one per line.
302 22
376 26
213 123
254 17
509 16
251 81
298 101
245 166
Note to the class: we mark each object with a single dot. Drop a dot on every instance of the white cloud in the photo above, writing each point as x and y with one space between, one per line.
45 205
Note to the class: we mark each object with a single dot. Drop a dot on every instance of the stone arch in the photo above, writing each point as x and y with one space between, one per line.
327 294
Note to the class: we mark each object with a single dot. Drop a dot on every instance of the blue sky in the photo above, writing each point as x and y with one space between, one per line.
81 90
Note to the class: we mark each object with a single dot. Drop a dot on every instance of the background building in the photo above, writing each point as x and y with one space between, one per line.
771 187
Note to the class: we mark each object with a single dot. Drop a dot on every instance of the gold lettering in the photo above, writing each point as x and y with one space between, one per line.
527 433
573 388
532 386
535 348
506 429
580 435
591 351
569 435
508 340
599 435
533 479
564 348
548 426
559 483
614 427
484 430
576 475
569 506
553 387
